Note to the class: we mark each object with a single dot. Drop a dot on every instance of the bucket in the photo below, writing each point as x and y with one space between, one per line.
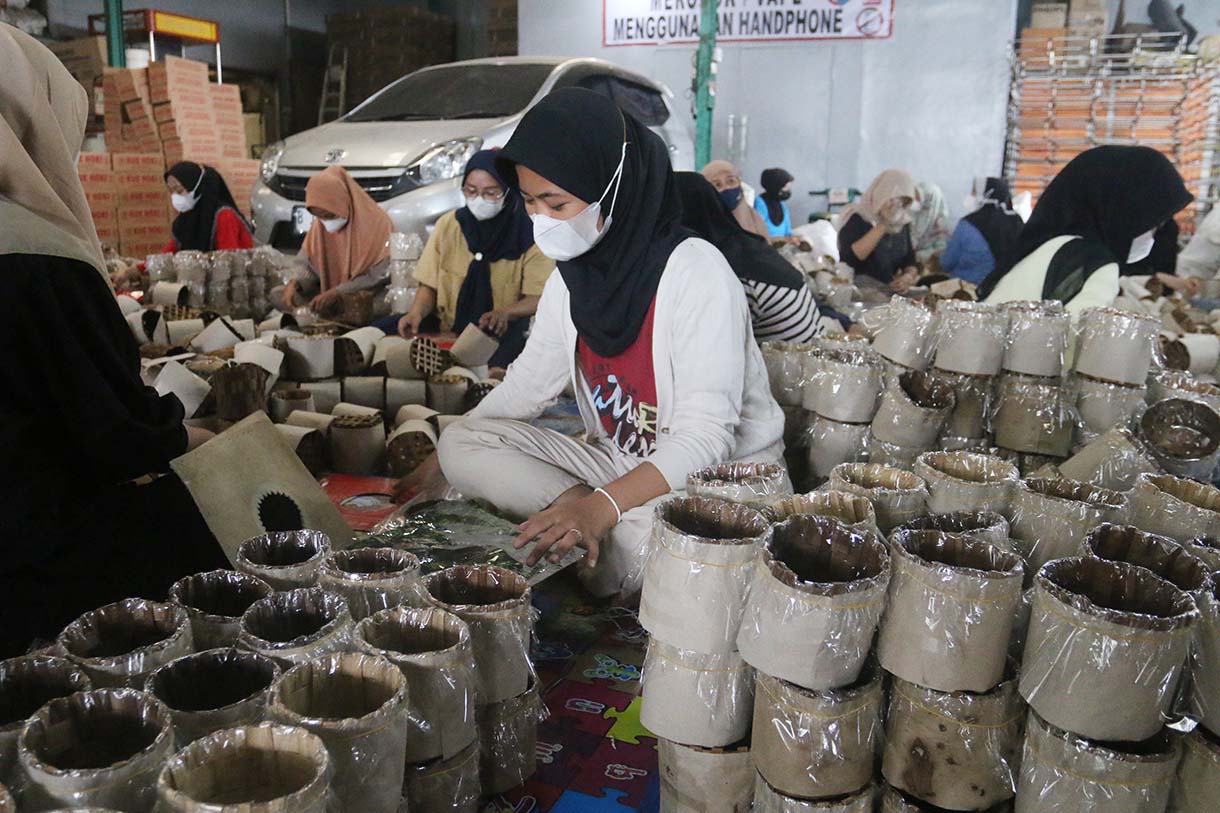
1037 338
852 510
1033 415
700 563
951 605
1198 782
972 402
814 605
785 363
28 683
1051 517
508 740
897 496
705 780
970 337
967 481
1114 461
812 744
122 643
984 526
208 691
754 484
906 337
446 786
845 386
830 444
214 602
1184 436
373 579
913 413
1115 345
1115 628
286 560
696 698
1175 507
296 626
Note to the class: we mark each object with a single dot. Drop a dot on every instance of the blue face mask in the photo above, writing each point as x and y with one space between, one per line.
731 197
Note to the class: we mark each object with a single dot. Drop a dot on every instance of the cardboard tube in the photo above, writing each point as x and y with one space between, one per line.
399 393
1114 461
970 337
972 401
447 786
695 698
753 484
1033 415
966 481
1184 436
1198 782
357 444
1051 517
897 496
695 780
831 444
396 353
699 566
817 596
508 740
373 579
310 445
844 386
1177 384
913 413
169 293
852 510
817 744
148 327
213 690
1203 349
223 333
278 321
410 444
1037 338
354 410
414 412
255 352
310 357
286 560
768 800
367 391
951 604
310 420
473 347
285 402
906 336
1103 405
296 626
1175 507
1131 658
1115 345
446 393
1164 557
785 364
240 390
118 645
984 526
427 358
355 349
214 602
892 455
327 394
181 331
26 684
189 388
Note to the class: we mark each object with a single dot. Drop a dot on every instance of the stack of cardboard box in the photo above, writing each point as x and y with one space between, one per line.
127 112
97 177
182 102
128 200
85 59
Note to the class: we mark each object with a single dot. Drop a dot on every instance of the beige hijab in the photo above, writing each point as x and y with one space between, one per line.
745 214
42 125
893 183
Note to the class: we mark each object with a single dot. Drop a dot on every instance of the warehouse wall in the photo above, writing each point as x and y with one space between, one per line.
931 99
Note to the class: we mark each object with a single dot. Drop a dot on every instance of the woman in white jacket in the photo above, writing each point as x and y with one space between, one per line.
646 321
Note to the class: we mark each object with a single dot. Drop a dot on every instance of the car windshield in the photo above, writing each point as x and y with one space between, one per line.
457 92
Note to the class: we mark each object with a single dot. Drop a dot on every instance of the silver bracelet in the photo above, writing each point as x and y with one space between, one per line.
613 502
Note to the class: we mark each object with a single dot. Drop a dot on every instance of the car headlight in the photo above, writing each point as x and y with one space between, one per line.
271 160
445 161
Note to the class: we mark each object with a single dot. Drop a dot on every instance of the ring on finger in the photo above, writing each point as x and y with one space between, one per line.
580 537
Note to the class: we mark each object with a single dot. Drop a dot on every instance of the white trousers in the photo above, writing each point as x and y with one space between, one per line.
521 469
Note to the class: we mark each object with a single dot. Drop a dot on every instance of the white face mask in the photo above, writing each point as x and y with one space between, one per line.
333 224
1141 246
184 203
566 239
484 209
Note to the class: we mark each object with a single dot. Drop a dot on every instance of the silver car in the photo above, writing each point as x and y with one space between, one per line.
408 143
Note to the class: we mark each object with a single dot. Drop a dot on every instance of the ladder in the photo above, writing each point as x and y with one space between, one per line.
334 85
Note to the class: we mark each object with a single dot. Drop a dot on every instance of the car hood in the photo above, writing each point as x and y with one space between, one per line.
373 144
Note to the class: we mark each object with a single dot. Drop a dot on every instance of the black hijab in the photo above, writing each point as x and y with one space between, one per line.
574 139
1108 196
195 230
506 236
773 182
750 256
995 219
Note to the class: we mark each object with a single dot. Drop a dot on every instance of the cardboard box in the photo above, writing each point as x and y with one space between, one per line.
256 136
136 162
140 196
173 151
102 198
83 53
1049 15
146 215
94 161
226 98
107 234
144 179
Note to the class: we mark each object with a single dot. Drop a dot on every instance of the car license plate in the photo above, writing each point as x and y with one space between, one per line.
301 219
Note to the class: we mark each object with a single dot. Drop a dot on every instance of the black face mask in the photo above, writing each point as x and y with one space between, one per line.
784 194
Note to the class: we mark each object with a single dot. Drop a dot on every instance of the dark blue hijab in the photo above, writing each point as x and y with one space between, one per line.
506 236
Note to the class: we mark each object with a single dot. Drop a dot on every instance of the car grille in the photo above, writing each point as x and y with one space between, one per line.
379 187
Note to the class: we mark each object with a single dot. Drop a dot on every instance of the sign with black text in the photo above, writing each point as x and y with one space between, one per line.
672 22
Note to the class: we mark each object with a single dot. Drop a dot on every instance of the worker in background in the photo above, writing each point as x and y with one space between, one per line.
480 265
647 323
772 204
727 180
79 427
930 225
208 218
1099 215
989 232
875 232
1200 260
347 247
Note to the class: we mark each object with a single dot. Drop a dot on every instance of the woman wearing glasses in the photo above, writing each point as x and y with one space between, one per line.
480 265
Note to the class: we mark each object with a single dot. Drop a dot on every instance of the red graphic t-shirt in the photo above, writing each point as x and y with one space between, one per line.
624 391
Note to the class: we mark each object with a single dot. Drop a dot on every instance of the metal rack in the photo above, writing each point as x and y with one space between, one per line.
1068 94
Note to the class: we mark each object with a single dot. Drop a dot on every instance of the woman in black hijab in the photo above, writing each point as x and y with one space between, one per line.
989 232
781 306
645 322
208 218
772 204
1099 215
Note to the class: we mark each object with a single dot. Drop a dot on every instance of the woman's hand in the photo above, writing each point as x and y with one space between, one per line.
902 282
581 522
427 477
408 325
290 294
323 301
495 321
196 437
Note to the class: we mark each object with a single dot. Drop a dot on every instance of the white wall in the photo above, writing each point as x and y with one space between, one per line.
930 100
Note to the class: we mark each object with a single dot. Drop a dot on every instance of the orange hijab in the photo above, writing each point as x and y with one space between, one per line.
359 245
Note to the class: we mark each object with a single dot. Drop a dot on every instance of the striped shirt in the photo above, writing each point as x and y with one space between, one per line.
782 314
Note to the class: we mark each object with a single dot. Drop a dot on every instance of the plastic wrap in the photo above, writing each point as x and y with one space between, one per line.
753 484
1033 415
951 605
250 769
286 560
785 364
1103 405
967 481
432 648
705 780
845 385
373 579
1062 772
972 401
357 705
913 413
897 496
1052 516
906 336
768 800
1164 557
852 510
817 744
1037 338
1184 436
956 750
495 604
1106 647
696 698
120 644
1174 507
1197 789
895 801
26 684
1178 384
985 526
1115 345
446 786
888 454
1205 660
211 690
508 740
817 597
296 626
358 444
100 748
970 337
1112 461
160 268
700 562
830 443
1206 548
